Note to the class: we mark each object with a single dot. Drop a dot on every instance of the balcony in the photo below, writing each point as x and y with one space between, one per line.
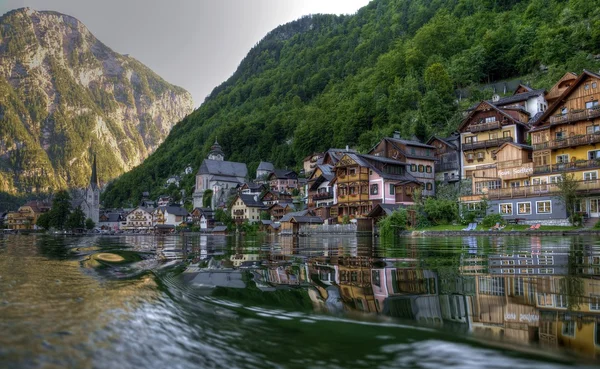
578 140
584 187
484 127
238 212
444 167
575 115
565 167
485 144
323 195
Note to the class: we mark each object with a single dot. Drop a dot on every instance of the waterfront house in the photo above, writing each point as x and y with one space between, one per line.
310 163
271 197
447 163
26 216
278 210
251 188
139 218
203 218
169 215
247 208
320 191
110 221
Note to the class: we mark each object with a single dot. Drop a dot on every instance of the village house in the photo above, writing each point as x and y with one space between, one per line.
203 218
164 200
283 180
26 217
169 215
418 157
251 188
321 193
110 221
278 210
363 181
447 163
139 218
247 208
221 177
274 197
310 162
263 171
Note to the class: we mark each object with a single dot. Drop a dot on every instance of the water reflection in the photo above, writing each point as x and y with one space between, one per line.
536 291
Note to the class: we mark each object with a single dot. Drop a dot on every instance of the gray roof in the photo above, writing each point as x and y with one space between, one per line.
512 99
326 171
112 217
285 173
224 168
220 229
308 219
266 166
410 143
289 216
251 200
265 222
175 210
387 208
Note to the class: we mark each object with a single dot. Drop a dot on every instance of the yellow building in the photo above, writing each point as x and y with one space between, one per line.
352 181
247 207
26 217
566 139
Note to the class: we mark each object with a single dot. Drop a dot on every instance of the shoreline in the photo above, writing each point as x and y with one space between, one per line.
576 232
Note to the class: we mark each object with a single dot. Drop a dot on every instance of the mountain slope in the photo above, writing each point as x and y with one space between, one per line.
331 81
64 96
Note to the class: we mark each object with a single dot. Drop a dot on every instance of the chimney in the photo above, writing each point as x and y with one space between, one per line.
397 134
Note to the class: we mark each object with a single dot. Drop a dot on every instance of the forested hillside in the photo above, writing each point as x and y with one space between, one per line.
331 81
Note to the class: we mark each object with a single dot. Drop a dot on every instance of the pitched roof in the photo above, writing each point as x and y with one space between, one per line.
266 166
467 119
112 217
284 174
410 142
307 219
175 210
251 200
586 73
445 140
223 168
220 229
289 216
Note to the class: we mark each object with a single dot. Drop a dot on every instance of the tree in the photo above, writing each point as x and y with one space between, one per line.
567 194
207 199
264 215
61 209
89 224
43 221
76 219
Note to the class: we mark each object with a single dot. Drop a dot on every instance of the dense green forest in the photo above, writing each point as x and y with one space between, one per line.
330 81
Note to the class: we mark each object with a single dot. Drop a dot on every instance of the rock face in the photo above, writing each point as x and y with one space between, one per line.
64 96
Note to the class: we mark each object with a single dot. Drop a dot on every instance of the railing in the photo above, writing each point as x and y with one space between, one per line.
442 167
484 126
576 115
578 140
485 144
563 167
238 212
323 195
590 186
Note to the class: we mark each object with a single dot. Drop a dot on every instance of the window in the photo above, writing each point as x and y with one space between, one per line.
412 150
392 189
480 155
428 153
374 189
506 209
487 185
524 208
564 110
541 160
594 85
561 135
591 104
544 207
590 176
429 186
471 206
428 169
491 286
471 139
493 136
352 171
595 302
594 154
592 129
490 119
587 86
562 159
470 157
546 270
413 167
506 134
568 328
421 168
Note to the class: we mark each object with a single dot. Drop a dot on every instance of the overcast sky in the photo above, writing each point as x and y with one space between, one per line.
195 44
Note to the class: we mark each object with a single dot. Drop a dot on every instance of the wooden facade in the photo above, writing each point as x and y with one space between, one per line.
352 180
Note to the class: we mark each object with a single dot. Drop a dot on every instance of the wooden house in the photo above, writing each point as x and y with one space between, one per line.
447 163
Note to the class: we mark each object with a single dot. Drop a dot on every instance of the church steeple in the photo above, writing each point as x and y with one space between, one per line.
216 153
94 176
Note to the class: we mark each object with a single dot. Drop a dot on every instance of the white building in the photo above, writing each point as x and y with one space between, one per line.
139 218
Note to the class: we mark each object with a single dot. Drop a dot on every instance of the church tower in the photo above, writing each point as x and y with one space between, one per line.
92 196
216 153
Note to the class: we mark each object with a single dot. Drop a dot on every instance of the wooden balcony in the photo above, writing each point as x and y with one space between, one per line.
323 195
444 167
496 142
484 127
565 167
575 115
238 212
353 198
584 187
578 140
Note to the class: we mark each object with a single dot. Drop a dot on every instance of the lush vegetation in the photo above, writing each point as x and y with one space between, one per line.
395 65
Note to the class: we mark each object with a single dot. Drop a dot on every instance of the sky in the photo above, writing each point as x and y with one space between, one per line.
195 44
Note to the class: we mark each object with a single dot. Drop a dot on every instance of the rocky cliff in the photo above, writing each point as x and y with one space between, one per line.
64 95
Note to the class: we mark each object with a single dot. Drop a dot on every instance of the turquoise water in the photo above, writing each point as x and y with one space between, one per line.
335 302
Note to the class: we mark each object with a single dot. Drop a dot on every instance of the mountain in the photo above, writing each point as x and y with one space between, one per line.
330 81
64 96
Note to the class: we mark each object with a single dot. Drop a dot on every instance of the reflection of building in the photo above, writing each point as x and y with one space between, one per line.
354 279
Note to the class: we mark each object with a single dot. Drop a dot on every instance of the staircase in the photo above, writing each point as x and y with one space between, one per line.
590 222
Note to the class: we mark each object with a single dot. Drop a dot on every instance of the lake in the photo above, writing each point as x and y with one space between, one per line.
312 302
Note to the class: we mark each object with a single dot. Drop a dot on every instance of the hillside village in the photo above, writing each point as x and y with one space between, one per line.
507 157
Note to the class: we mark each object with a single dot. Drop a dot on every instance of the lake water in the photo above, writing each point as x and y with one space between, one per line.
315 302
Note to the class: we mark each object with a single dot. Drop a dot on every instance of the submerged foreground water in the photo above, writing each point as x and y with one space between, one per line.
335 302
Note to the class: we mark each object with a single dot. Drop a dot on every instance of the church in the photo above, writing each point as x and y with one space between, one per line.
88 199
218 175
